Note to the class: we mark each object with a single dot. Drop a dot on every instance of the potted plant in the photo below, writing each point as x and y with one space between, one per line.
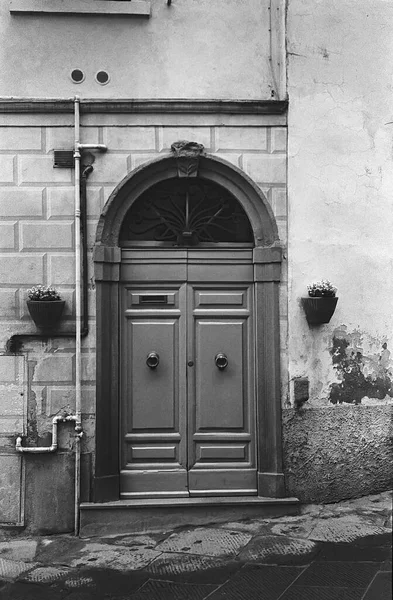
45 306
321 302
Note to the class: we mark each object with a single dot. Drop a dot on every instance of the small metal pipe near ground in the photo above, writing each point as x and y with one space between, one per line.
44 449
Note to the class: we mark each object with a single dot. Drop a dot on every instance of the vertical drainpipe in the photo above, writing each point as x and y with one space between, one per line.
78 147
78 313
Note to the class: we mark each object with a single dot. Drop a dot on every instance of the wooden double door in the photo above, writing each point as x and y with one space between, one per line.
187 425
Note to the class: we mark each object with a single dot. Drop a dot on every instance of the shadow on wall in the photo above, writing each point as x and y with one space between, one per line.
361 376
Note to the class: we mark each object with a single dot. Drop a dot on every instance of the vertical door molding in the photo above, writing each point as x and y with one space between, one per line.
107 272
267 269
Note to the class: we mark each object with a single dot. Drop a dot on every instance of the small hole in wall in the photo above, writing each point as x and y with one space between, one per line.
102 77
77 76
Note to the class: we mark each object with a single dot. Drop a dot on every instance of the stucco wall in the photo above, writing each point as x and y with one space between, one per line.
340 195
191 49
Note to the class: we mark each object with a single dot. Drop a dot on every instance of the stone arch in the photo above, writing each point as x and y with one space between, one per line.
267 269
210 168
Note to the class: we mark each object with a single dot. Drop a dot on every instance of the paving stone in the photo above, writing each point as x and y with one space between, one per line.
253 527
132 560
134 541
321 593
163 590
311 509
45 574
338 574
210 542
352 553
278 549
20 550
254 582
79 581
192 568
30 591
85 595
59 549
340 530
11 569
108 582
380 588
300 528
100 555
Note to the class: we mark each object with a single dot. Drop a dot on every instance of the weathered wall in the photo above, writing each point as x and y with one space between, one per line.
331 454
191 49
340 201
340 177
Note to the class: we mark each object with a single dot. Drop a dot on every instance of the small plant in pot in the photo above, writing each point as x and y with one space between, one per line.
321 302
45 306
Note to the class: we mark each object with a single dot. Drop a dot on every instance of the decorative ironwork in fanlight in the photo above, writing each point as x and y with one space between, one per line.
186 213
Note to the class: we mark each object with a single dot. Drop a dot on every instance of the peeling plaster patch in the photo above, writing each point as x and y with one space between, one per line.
362 377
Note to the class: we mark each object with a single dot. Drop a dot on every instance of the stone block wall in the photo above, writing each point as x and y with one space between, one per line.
37 246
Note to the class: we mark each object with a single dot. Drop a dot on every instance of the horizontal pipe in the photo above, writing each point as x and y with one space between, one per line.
53 446
100 147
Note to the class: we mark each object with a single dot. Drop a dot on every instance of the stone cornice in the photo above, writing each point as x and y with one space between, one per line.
42 105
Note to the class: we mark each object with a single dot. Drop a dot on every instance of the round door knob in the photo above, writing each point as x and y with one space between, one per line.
152 360
190 363
221 361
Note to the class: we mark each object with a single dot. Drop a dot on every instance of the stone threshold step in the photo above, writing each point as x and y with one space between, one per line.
188 501
164 514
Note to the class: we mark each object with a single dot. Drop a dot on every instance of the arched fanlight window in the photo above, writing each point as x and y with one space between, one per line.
186 212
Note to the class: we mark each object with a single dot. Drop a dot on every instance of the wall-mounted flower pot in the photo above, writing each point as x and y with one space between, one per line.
46 314
320 309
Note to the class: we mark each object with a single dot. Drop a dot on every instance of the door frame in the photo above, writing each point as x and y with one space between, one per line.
267 256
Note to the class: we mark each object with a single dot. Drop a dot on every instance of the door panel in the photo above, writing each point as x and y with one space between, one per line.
153 411
221 452
154 390
219 393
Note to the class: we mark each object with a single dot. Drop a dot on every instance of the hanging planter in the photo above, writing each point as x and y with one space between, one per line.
321 302
45 306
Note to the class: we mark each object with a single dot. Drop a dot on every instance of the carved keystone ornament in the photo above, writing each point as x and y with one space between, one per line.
187 156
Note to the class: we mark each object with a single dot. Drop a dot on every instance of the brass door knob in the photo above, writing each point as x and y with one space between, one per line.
152 360
221 361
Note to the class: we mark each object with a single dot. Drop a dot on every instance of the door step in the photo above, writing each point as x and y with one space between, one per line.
156 515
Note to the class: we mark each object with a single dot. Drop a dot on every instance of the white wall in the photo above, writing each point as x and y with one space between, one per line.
191 49
341 182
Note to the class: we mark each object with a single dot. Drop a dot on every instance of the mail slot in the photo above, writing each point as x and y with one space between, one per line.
151 299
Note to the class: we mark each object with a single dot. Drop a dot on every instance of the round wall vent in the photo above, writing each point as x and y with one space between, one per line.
77 75
102 77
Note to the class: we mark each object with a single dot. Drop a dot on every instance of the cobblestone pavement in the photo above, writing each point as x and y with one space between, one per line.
328 552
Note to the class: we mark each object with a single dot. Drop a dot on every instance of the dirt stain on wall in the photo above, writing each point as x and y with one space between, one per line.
360 375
